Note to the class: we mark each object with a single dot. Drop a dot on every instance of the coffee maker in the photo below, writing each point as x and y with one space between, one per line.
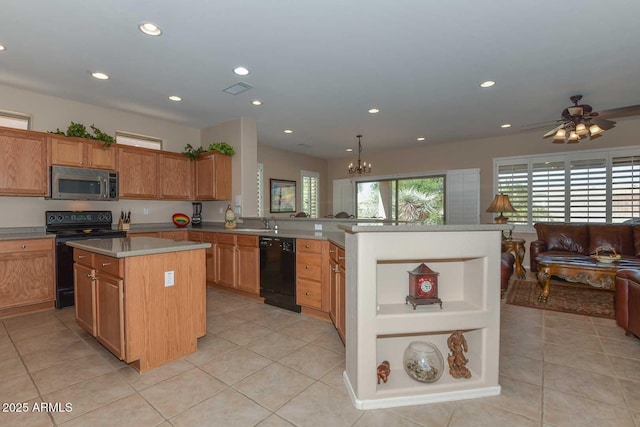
196 219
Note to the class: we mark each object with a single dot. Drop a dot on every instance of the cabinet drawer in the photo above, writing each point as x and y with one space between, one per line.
226 239
309 293
195 236
250 241
108 264
309 245
143 234
308 259
208 237
83 257
308 271
15 246
173 235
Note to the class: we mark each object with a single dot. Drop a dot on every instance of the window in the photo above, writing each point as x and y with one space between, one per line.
15 120
402 199
309 191
590 186
138 140
260 189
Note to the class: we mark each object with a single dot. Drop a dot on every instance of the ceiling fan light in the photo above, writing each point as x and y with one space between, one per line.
595 130
575 111
560 134
573 137
581 129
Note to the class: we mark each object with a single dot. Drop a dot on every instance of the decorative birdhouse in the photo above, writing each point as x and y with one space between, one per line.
423 286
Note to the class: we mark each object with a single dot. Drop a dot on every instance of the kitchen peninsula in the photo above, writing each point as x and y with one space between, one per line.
143 298
381 325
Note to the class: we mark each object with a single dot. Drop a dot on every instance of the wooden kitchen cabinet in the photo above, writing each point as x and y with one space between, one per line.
26 276
82 153
213 177
174 235
84 296
337 289
23 163
143 234
238 262
312 280
176 176
211 256
110 313
138 173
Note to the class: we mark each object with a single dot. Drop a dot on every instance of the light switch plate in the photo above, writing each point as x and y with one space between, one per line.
318 227
168 278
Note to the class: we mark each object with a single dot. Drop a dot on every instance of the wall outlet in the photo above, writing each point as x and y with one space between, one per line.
220 210
168 278
145 211
318 227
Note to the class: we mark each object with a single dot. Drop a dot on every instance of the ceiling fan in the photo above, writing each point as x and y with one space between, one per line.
580 121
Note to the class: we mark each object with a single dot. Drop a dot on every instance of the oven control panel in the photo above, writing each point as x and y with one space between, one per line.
75 218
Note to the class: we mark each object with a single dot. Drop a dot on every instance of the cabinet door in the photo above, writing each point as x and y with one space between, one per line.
84 294
211 257
213 177
226 264
67 152
333 291
110 313
341 295
99 157
248 269
138 173
175 177
23 163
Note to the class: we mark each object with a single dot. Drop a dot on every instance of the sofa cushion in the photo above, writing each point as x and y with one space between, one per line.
617 236
564 237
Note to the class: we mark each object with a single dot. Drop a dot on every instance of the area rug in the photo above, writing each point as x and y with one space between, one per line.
566 297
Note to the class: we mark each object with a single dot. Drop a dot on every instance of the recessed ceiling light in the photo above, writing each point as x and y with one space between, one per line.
256 102
150 29
349 149
100 76
421 138
374 110
506 125
488 83
241 71
288 131
175 98
2 47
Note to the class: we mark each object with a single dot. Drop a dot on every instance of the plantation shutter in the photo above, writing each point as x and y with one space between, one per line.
463 196
513 180
548 191
260 189
625 188
310 193
588 194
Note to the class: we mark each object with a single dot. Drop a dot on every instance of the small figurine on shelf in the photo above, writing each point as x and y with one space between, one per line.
229 218
457 343
384 370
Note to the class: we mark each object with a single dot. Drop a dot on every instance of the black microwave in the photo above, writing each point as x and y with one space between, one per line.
69 183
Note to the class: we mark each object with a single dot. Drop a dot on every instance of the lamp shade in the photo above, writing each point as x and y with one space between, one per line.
500 204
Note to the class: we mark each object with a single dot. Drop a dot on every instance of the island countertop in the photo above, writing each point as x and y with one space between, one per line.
128 247
367 228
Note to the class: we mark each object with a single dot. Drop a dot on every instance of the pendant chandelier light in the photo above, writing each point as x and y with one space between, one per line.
361 168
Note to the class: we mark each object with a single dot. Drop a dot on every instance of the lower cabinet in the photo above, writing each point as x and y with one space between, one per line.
174 235
237 262
312 279
26 275
110 313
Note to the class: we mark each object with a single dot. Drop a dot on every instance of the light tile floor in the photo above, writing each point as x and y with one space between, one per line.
260 365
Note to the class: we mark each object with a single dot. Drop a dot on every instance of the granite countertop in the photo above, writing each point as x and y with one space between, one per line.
126 247
367 228
24 234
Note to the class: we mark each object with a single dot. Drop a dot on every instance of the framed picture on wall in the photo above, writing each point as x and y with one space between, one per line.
283 195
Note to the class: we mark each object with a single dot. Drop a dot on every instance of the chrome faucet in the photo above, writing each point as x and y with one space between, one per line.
266 223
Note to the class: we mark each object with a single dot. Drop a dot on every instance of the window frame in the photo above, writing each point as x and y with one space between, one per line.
147 141
567 159
24 118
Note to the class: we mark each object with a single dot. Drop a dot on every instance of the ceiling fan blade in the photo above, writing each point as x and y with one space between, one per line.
631 110
553 131
604 124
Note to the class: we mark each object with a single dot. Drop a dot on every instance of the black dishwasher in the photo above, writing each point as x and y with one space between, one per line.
278 272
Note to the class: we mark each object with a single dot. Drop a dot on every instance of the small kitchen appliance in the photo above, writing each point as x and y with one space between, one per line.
196 219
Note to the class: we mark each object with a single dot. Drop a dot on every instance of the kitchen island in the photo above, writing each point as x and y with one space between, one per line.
380 324
143 298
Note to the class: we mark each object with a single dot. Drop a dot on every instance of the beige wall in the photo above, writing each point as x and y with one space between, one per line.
479 153
280 164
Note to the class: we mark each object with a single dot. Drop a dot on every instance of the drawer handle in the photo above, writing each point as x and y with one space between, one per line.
24 246
81 256
306 267
90 276
341 257
307 293
336 270
104 264
331 251
306 245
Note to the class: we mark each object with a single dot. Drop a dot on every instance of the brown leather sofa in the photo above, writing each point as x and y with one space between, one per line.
628 300
506 270
582 240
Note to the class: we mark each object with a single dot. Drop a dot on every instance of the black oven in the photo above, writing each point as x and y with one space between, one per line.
75 225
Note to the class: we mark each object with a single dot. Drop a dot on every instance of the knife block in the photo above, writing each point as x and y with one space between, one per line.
123 225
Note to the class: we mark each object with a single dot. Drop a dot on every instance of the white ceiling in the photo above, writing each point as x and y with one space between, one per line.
320 65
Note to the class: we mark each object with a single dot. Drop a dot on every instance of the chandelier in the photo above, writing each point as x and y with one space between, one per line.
362 168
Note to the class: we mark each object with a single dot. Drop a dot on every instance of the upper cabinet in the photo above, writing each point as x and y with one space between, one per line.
23 163
176 176
138 173
213 177
82 153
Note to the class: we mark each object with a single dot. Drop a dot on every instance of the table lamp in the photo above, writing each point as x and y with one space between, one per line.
500 204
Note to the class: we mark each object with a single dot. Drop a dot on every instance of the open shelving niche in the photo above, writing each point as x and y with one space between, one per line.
381 324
